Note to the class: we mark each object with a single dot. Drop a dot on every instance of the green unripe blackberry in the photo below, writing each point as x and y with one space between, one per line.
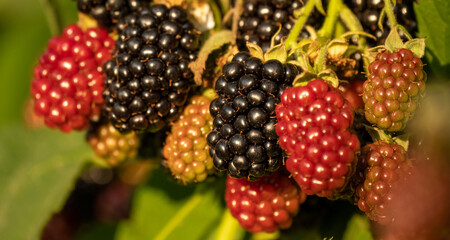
393 89
186 149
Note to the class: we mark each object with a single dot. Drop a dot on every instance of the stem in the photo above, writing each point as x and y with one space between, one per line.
390 13
295 32
353 24
53 19
216 14
228 227
332 14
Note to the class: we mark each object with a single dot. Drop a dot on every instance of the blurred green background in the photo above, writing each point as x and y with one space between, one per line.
24 32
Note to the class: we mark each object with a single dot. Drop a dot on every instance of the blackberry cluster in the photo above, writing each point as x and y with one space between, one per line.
68 81
265 205
387 164
261 19
368 13
313 126
148 78
112 146
109 12
186 150
393 89
243 140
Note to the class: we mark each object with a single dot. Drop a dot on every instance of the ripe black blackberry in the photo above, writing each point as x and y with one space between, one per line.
368 13
109 12
261 19
148 78
243 140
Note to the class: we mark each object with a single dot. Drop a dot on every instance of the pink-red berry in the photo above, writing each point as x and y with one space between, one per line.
393 89
387 164
68 81
313 126
264 205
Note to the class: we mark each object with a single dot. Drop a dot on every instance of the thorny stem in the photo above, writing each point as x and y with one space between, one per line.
332 14
390 13
292 38
53 19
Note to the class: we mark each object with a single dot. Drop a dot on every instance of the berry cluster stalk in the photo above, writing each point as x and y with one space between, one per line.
292 38
330 21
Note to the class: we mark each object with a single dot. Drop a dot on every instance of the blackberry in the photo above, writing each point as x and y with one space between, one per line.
186 148
265 205
393 89
313 126
243 140
368 13
109 12
68 82
112 146
387 164
261 19
148 80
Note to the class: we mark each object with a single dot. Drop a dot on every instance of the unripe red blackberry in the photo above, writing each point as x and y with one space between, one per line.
393 89
313 126
265 205
387 164
243 140
112 146
109 12
261 19
368 13
186 149
68 81
148 78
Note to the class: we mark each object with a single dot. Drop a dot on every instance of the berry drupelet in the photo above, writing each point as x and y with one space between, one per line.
368 13
261 19
68 81
148 78
243 140
109 12
387 164
313 123
393 89
265 205
110 145
186 150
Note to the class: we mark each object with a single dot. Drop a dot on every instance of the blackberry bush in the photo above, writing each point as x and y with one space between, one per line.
112 146
109 12
265 205
261 19
186 149
148 78
313 126
387 164
393 89
68 81
243 140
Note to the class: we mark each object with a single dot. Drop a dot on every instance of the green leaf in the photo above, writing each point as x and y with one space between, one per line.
402 140
164 209
214 42
37 171
358 228
277 52
255 51
393 40
330 77
417 46
433 18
